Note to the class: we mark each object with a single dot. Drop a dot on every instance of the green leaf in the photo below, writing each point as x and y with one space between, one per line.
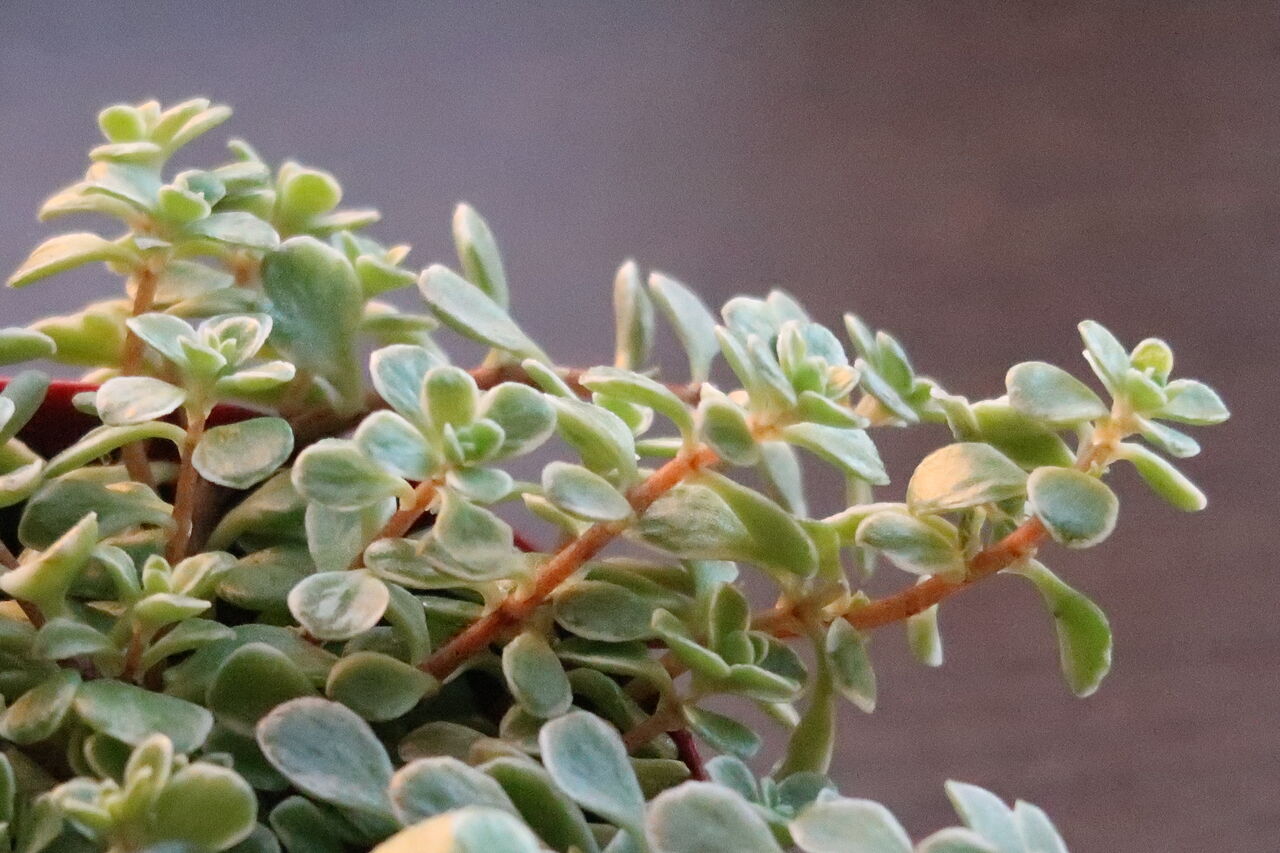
984 813
1164 479
1168 439
1051 395
776 539
602 611
955 839
211 807
964 475
1039 833
18 344
694 325
723 733
99 442
67 251
243 454
850 450
428 787
1104 353
600 437
582 494
703 661
1077 509
334 473
478 254
40 711
1192 402
338 605
473 829
633 319
1022 439
544 807
125 400
535 677
336 537
376 686
469 311
186 636
482 544
316 306
723 425
840 824
398 372
586 758
46 578
62 638
923 637
397 445
525 415
1084 636
850 665
252 680
120 504
164 333
132 714
328 753
640 390
912 544
237 228
696 817
22 398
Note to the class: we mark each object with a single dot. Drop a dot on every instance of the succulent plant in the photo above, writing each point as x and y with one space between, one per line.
308 622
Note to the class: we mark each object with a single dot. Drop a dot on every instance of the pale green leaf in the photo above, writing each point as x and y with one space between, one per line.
633 319
912 544
697 817
963 475
474 829
1051 395
333 472
582 494
1193 402
984 813
338 605
851 450
1164 479
243 454
841 824
209 806
1077 509
376 686
850 665
328 753
67 251
535 677
1084 636
586 758
693 323
132 714
478 253
470 312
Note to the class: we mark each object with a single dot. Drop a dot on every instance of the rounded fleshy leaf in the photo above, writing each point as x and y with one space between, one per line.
328 753
469 311
39 712
376 686
1077 509
254 679
698 816
333 472
428 787
1051 395
583 494
474 829
338 605
912 544
963 475
837 825
132 714
1084 635
535 677
206 805
243 454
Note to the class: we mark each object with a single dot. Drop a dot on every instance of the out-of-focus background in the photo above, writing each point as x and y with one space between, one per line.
974 176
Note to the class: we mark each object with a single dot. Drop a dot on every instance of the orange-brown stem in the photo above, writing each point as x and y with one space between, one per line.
404 519
184 496
515 609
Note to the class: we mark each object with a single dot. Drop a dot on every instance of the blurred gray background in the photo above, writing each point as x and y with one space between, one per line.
974 176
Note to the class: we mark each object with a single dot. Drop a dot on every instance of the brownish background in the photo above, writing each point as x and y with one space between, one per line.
974 176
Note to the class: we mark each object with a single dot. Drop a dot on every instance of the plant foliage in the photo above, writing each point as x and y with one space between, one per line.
277 599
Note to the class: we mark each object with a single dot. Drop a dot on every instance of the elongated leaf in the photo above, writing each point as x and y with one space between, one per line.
1164 479
586 758
633 319
469 311
478 253
693 323
912 544
64 252
851 450
582 494
850 665
984 813
535 677
132 714
1084 636
101 441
